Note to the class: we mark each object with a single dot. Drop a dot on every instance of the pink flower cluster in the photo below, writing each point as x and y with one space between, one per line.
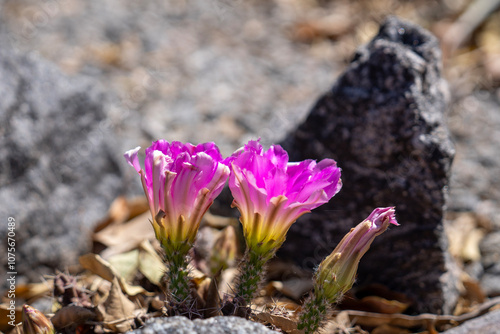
182 180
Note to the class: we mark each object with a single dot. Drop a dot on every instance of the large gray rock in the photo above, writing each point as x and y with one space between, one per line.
58 173
216 325
383 122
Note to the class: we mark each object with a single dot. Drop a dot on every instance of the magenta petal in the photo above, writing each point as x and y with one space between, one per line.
132 159
378 216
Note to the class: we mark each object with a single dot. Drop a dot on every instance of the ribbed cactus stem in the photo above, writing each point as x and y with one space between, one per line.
251 275
178 277
316 309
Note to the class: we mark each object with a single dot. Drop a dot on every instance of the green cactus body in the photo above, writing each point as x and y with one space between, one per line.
316 309
178 277
251 273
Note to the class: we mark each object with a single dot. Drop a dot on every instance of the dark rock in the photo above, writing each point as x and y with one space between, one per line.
58 173
487 323
383 122
216 325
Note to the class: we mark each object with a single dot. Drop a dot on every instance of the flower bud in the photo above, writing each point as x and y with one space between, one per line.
337 273
34 322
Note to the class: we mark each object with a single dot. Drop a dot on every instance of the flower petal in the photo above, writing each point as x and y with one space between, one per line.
132 159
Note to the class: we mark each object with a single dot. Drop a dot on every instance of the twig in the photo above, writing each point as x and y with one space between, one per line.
463 27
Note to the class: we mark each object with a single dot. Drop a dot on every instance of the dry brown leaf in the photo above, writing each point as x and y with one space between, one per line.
100 288
227 281
196 275
285 324
473 291
126 264
117 310
33 291
118 213
124 237
464 237
428 321
331 26
341 324
471 296
371 319
388 329
150 263
212 298
225 250
72 315
5 317
123 209
137 205
218 222
382 305
102 268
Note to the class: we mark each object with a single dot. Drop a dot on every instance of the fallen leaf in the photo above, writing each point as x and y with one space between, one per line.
99 287
124 237
227 281
427 321
150 263
137 205
33 291
341 324
464 237
212 298
388 329
72 315
473 290
6 316
218 222
102 268
126 264
117 310
285 324
470 297
225 251
118 213
382 305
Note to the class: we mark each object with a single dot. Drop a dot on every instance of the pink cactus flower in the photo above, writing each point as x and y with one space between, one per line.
181 182
271 193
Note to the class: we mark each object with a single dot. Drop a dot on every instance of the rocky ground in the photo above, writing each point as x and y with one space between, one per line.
227 71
